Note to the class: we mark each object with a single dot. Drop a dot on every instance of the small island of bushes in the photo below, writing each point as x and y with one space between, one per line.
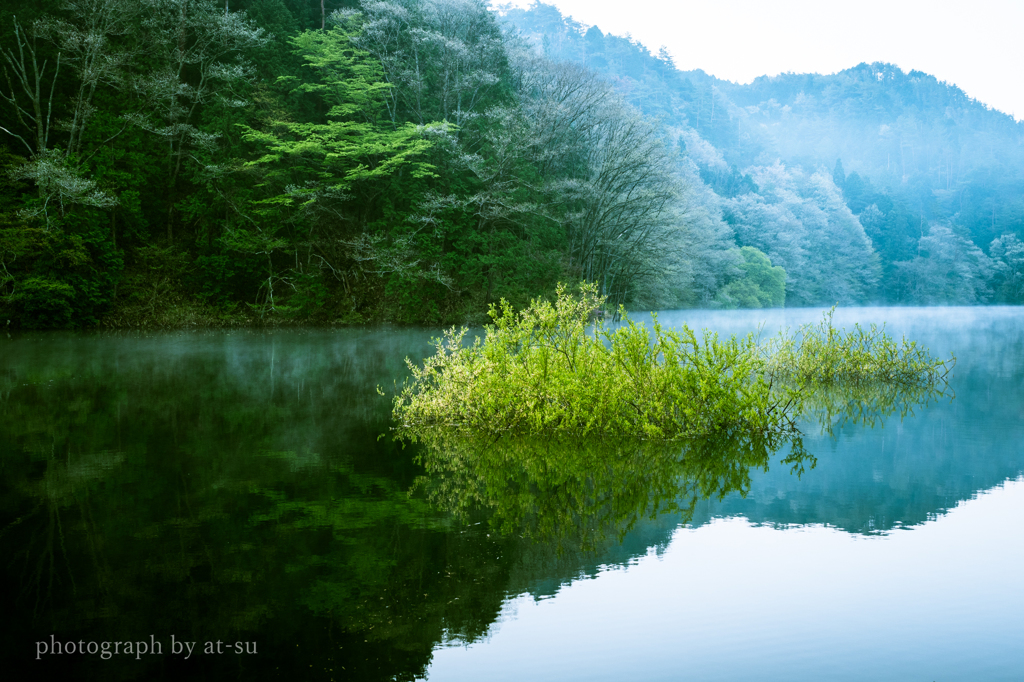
556 367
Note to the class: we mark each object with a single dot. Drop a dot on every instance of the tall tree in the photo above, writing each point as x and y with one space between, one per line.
200 61
86 44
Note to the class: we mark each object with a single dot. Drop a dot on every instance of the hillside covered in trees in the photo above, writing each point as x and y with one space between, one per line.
174 162
933 180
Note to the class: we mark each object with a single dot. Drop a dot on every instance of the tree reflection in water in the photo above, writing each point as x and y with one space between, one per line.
183 495
576 493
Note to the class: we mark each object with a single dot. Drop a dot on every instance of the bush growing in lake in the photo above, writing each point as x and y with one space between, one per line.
819 356
547 369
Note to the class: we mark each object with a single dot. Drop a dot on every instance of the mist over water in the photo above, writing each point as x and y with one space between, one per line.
232 486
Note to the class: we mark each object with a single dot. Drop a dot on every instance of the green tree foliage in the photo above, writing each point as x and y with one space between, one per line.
1008 253
804 226
760 286
357 144
949 269
271 161
52 278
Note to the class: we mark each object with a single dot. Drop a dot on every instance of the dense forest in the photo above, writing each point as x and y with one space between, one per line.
190 162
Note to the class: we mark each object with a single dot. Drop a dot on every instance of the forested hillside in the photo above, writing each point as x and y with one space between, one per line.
933 180
176 162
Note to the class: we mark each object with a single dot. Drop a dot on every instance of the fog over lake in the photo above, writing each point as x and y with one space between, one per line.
232 486
235 234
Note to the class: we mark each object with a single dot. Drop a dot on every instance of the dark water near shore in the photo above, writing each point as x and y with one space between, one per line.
233 487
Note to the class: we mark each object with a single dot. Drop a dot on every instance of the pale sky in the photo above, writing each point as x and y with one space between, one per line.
976 45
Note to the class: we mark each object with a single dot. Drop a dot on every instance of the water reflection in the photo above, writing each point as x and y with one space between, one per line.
576 494
233 487
841 406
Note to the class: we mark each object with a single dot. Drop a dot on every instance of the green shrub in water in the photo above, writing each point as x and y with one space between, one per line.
821 356
548 369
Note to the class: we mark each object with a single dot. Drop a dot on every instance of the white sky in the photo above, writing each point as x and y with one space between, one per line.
976 45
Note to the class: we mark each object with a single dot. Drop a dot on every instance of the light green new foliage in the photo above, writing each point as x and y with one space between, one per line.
547 369
820 356
358 144
859 376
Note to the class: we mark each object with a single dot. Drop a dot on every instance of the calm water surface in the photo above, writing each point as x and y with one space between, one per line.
233 487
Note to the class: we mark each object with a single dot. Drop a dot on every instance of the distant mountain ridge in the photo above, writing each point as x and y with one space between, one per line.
934 177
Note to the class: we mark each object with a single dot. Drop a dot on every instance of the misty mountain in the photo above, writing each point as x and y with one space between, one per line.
934 178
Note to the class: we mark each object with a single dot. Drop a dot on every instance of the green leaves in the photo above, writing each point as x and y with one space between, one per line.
822 355
338 154
358 145
545 369
348 79
761 286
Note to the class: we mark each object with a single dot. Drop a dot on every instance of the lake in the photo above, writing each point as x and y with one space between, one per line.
233 501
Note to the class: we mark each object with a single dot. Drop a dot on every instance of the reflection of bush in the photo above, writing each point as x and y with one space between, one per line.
575 492
867 403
